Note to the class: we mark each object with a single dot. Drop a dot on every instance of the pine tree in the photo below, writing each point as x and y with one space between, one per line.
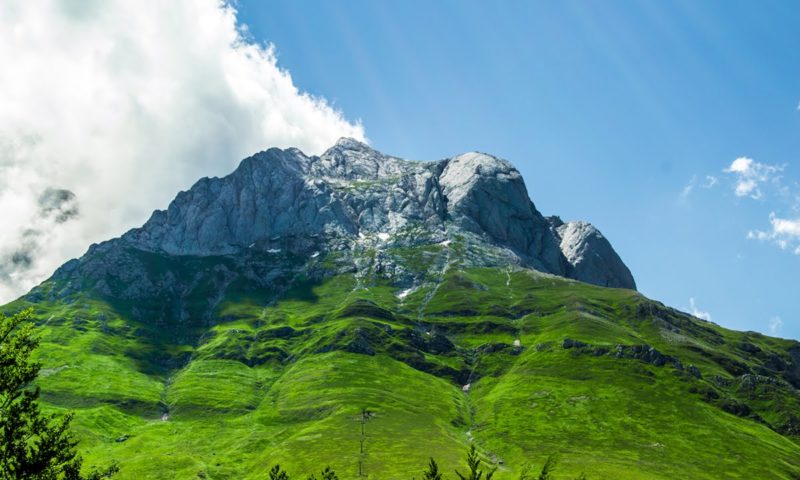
327 474
277 474
32 446
474 464
432 473
548 468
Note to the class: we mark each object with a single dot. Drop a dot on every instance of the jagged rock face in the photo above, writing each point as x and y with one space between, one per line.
488 196
353 196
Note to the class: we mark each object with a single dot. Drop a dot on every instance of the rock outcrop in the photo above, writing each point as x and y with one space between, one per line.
591 257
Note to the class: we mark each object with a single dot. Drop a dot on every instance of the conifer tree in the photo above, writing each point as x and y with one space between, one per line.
327 474
33 446
278 474
548 468
432 473
474 465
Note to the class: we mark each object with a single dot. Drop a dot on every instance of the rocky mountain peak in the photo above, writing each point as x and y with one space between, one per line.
353 199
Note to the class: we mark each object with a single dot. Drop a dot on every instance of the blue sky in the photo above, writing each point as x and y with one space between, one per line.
626 114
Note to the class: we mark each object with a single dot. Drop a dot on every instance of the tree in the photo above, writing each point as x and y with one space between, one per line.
327 474
474 464
432 473
33 446
277 474
548 468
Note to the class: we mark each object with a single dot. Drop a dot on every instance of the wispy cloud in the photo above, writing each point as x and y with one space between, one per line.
687 189
696 312
709 182
751 175
775 325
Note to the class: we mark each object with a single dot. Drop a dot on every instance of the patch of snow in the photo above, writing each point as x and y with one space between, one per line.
405 293
465 388
445 243
251 245
517 343
315 255
384 236
274 250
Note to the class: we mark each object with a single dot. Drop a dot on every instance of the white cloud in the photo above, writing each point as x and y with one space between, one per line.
696 312
785 232
751 175
687 190
708 183
711 181
124 103
775 325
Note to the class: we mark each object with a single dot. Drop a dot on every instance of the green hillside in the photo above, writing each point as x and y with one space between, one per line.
618 385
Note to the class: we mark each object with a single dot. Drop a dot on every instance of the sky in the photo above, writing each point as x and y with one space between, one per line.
674 127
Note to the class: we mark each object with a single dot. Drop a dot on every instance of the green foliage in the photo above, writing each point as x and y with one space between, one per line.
32 445
474 465
432 473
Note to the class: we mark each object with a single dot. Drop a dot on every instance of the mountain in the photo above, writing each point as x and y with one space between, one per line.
263 317
354 198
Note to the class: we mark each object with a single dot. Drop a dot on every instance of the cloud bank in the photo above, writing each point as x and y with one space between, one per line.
111 107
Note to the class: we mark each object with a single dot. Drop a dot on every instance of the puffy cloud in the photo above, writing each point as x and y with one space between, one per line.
784 232
750 175
109 107
696 312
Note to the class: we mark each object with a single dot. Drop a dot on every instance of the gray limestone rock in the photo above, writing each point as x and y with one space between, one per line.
349 200
591 257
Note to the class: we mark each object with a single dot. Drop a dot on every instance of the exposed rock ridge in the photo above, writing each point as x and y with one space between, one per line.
284 199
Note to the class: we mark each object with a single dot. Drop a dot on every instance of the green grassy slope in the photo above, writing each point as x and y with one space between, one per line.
618 385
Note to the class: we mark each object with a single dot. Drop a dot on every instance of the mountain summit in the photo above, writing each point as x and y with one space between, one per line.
353 198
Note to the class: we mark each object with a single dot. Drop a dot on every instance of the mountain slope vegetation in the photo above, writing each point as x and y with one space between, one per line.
522 363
